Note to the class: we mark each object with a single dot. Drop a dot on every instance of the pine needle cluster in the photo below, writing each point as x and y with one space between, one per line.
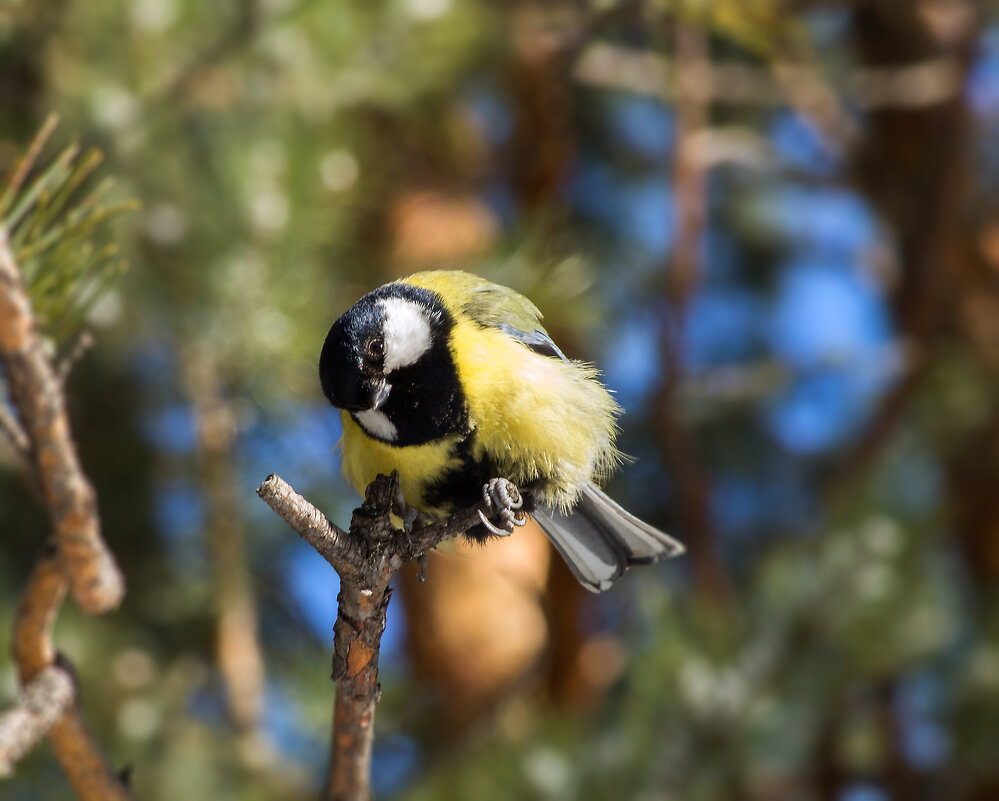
56 220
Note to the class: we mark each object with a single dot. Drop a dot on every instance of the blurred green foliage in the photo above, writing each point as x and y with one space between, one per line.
290 156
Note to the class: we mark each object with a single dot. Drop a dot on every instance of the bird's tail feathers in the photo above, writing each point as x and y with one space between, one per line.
599 540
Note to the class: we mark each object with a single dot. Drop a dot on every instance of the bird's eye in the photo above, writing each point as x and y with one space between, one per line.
375 346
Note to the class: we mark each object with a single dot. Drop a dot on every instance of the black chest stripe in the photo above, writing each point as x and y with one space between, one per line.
462 485
426 402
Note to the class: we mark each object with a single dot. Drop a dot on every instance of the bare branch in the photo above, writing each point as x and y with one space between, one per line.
43 702
646 72
240 34
75 747
83 343
365 558
13 430
682 276
348 552
39 607
95 581
332 543
28 161
76 560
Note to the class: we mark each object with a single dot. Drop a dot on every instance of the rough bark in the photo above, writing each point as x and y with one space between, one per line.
43 702
78 560
36 391
75 747
366 558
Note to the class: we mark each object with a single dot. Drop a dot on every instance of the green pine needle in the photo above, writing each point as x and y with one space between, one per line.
59 234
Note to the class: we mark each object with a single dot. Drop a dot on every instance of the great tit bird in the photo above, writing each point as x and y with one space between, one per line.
453 382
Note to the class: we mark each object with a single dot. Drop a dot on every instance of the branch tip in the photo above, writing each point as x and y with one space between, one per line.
366 558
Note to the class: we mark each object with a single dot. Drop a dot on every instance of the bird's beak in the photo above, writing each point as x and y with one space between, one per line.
379 395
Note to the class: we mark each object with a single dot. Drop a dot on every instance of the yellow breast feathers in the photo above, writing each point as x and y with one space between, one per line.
535 416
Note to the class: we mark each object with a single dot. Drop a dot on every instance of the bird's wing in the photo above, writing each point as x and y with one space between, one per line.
537 340
495 306
490 306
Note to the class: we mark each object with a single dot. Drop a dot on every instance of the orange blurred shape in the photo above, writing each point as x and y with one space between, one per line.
980 316
432 227
988 243
477 626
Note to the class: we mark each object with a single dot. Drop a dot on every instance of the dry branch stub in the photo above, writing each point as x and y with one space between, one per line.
43 701
366 558
75 747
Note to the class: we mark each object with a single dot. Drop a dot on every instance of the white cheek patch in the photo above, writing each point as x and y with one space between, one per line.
377 424
406 332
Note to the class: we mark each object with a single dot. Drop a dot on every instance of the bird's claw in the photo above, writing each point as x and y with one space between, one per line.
409 515
397 496
499 532
503 497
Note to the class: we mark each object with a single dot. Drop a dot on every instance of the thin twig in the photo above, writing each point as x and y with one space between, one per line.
95 581
239 34
647 72
366 558
75 747
28 161
333 543
43 701
13 430
879 430
344 550
83 343
682 275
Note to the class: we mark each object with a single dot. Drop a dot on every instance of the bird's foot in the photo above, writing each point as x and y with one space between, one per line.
409 515
503 498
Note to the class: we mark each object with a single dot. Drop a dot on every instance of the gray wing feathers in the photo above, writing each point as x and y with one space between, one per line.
594 560
536 340
642 542
599 539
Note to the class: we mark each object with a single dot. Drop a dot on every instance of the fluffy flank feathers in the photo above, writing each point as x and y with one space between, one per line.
509 388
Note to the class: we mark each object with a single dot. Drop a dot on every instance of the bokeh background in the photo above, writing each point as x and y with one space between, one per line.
773 225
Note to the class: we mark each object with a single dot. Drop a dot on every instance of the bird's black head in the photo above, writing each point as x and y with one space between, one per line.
386 360
351 365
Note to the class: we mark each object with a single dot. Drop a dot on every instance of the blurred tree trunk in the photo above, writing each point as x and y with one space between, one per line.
237 647
543 142
22 72
542 150
676 443
914 165
828 777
